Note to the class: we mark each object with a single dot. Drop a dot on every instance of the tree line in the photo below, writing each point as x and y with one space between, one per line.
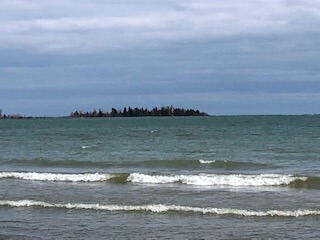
8 116
14 116
139 112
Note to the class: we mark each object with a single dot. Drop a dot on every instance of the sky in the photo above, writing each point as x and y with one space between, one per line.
226 57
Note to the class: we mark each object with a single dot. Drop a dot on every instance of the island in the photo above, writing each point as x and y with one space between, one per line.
168 111
139 112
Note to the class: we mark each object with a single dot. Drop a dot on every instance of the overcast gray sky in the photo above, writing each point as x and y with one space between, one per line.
223 57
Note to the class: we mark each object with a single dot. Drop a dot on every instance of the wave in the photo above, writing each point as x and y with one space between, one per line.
57 177
226 164
236 180
161 208
309 183
167 163
43 162
200 164
207 162
231 180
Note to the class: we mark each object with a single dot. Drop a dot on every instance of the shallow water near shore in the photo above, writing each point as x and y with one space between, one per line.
237 177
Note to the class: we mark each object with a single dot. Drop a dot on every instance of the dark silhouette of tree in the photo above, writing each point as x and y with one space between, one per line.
140 112
125 112
114 112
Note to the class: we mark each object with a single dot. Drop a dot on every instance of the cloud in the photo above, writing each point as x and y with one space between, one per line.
153 23
7 5
220 55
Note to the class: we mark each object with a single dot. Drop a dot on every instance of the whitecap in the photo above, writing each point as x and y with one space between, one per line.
236 180
162 208
57 177
206 161
233 180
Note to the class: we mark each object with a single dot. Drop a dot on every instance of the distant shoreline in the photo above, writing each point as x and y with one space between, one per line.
129 112
218 116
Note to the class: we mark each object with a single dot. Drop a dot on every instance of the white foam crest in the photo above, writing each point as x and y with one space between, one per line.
57 177
161 208
217 180
85 147
206 161
156 179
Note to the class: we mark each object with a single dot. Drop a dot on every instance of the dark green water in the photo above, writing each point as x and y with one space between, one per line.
250 177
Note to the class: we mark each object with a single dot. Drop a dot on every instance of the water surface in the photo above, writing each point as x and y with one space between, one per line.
252 177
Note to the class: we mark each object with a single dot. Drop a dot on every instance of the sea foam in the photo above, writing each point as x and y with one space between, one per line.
236 180
161 208
207 161
217 180
57 177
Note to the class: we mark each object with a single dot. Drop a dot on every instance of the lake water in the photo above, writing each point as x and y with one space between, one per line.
237 177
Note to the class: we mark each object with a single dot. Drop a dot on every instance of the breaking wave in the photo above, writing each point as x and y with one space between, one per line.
207 162
57 177
217 180
228 180
161 208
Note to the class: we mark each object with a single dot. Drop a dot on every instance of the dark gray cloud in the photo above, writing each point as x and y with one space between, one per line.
225 57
